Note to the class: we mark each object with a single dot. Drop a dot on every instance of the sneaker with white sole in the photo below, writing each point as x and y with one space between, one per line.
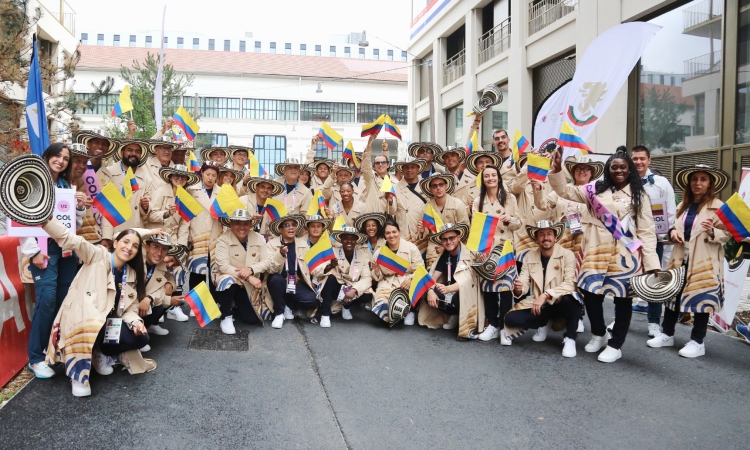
177 314
489 333
580 326
79 390
288 315
102 363
452 323
596 343
278 321
693 350
145 348
409 319
541 334
157 330
504 340
660 340
325 321
569 348
653 329
610 355
41 370
227 325
346 314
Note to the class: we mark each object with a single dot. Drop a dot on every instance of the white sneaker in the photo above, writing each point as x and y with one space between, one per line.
325 321
278 321
489 333
227 325
346 314
288 315
102 364
660 340
610 355
580 326
79 390
145 348
177 314
409 319
161 319
569 348
653 329
452 323
157 330
693 350
611 326
42 370
504 340
541 334
596 343
192 314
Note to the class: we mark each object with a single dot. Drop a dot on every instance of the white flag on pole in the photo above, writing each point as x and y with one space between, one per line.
159 77
549 120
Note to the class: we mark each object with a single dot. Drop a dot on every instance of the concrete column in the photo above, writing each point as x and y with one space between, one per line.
439 50
520 80
470 88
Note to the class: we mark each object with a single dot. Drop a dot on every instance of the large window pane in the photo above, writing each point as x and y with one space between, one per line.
103 105
203 140
424 131
454 129
219 107
680 80
495 119
321 151
370 113
270 150
269 109
742 126
329 112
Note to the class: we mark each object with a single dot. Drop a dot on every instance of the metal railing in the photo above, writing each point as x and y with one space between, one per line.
702 12
495 41
454 68
702 65
543 13
62 12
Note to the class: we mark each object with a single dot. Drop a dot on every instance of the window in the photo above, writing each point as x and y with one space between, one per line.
204 140
454 126
242 46
103 105
330 112
495 119
226 45
288 48
403 56
347 52
84 39
302 49
370 113
361 53
321 151
424 76
269 109
742 119
375 53
116 40
166 41
219 107
390 55
196 43
148 41
317 50
332 51
257 46
273 47
270 150
99 39
424 131
180 42
211 44
700 115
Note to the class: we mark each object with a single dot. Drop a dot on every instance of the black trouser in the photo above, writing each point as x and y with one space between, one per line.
495 312
331 291
128 341
700 324
304 298
567 308
623 313
236 293
156 313
455 305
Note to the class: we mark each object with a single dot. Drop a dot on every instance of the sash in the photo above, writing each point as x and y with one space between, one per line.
610 221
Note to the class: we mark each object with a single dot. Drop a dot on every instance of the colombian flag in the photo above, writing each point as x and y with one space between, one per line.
373 128
390 127
225 202
319 253
123 104
520 146
339 223
431 219
507 259
420 284
387 185
193 165
127 185
254 166
112 205
569 138
183 120
317 205
187 207
349 154
391 261
735 214
482 232
203 304
275 209
538 167
329 135
473 144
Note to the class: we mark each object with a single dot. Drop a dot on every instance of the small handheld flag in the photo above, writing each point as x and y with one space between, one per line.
735 214
507 259
254 166
348 153
473 144
482 232
123 103
112 205
183 120
374 127
275 209
538 167
570 139
330 137
392 261
203 304
319 253
193 165
187 207
387 185
225 202
479 179
420 284
431 219
390 127
339 223
317 205
130 185
520 145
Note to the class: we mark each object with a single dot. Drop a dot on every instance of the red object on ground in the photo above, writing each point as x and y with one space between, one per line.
15 311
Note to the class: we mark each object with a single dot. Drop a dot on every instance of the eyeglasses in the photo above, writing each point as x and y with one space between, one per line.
423 150
448 239
378 163
437 185
289 225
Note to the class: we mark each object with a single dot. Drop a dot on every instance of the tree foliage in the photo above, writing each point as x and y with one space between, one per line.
660 115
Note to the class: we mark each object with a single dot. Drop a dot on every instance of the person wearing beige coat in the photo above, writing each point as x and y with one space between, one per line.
438 189
204 229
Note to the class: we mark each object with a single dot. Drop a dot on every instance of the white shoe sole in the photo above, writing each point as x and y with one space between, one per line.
176 319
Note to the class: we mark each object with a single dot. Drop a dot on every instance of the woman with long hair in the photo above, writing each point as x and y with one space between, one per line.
495 201
163 212
371 225
619 242
204 229
698 247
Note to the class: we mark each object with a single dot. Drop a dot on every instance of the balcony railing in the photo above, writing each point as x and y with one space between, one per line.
703 65
454 68
62 12
543 13
702 12
495 41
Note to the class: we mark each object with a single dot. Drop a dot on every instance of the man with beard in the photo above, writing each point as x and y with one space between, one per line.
501 142
162 157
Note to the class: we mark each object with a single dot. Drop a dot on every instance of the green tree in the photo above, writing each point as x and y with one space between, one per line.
660 113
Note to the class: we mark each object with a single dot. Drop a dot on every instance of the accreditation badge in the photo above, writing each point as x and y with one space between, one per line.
574 222
112 329
291 284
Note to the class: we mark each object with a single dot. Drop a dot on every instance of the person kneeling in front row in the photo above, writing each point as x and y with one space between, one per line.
159 286
349 272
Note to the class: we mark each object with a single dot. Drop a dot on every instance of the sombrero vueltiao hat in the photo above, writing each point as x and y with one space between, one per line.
166 173
557 227
289 162
252 184
239 148
450 181
299 219
162 141
597 167
178 251
471 160
487 268
212 165
162 240
461 228
83 137
521 161
660 288
327 223
682 176
415 146
238 174
78 150
338 234
344 165
460 151
27 194
206 153
319 161
398 306
240 215
122 143
359 222
399 165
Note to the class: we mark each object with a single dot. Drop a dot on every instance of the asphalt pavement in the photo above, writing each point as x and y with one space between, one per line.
361 385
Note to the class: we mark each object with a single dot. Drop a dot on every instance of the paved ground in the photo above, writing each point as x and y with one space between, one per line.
360 385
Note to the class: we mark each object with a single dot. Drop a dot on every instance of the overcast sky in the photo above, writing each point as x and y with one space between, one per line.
292 19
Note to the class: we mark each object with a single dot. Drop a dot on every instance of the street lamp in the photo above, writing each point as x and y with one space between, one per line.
363 42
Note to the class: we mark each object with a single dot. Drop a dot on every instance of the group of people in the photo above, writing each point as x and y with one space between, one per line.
578 239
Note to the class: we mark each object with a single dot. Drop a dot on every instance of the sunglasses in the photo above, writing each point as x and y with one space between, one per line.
448 239
289 225
437 185
378 163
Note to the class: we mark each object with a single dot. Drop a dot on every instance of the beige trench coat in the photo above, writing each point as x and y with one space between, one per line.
559 208
114 174
298 205
152 166
251 202
156 286
373 182
204 230
357 275
275 264
409 214
388 280
454 211
162 199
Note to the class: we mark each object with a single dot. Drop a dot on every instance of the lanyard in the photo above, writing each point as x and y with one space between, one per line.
372 250
294 196
353 268
121 303
149 273
458 257
286 260
62 184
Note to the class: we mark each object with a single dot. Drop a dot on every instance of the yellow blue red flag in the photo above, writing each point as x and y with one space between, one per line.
112 205
203 304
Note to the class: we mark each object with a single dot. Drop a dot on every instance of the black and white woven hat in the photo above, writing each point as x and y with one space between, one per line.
487 268
661 288
27 194
398 306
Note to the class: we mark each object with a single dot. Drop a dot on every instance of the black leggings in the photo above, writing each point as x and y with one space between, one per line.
495 311
623 313
128 341
700 324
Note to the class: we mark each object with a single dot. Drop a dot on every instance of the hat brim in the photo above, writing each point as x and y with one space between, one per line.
83 137
597 168
252 185
471 160
166 172
486 269
460 151
161 241
153 144
558 228
237 148
228 221
682 177
399 165
206 152
337 235
415 146
359 222
424 184
27 194
461 228
78 154
238 174
661 288
122 143
273 227
398 296
279 169
327 223
177 250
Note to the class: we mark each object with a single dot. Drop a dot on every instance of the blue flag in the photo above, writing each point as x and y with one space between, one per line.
36 118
